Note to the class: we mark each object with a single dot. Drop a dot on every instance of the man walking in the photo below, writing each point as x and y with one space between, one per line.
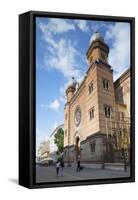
78 163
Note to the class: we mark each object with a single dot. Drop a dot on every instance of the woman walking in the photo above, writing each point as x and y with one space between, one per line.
62 167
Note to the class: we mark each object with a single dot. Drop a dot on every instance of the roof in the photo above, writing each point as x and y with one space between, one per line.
123 77
56 129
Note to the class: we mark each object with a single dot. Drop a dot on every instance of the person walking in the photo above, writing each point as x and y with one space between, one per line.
78 163
57 167
62 167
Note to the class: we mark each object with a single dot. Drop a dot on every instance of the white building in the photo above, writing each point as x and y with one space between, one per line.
53 147
43 150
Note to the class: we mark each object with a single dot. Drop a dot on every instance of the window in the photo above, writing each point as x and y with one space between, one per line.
91 113
91 59
103 56
92 146
105 84
122 116
66 116
107 110
90 87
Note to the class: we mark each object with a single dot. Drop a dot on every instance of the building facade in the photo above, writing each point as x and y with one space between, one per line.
122 90
43 151
96 109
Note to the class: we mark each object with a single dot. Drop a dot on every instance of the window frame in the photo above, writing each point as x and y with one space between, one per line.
104 84
91 88
109 107
93 146
93 114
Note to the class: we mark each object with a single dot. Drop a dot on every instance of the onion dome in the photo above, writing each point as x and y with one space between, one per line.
72 83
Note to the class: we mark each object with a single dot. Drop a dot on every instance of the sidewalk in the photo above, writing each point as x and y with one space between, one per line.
48 174
112 166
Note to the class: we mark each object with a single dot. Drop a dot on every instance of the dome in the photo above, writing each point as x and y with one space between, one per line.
72 83
96 36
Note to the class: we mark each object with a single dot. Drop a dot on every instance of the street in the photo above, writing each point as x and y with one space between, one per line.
48 174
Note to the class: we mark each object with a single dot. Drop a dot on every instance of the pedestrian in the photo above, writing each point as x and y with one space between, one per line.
57 167
78 163
62 167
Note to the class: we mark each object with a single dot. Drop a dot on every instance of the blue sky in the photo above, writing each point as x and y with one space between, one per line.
61 46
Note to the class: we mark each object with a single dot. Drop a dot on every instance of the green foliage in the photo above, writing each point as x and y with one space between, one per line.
122 140
59 140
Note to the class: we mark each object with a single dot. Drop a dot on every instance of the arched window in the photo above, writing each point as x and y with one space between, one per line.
90 87
105 84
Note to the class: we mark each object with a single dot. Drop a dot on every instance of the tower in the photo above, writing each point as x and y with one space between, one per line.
101 75
71 89
98 49
101 92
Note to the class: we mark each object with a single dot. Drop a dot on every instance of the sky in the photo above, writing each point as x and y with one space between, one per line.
61 46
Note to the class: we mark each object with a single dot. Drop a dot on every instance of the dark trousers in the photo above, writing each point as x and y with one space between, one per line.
57 170
78 166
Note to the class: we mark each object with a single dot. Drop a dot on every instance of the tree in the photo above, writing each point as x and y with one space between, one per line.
59 140
121 143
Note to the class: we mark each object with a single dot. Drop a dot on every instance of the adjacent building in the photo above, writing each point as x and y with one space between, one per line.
97 109
122 90
53 146
43 151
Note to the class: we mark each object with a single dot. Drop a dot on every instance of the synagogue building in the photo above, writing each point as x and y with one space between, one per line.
97 111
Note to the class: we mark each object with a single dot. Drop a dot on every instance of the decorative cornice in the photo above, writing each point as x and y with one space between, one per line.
92 136
97 44
97 63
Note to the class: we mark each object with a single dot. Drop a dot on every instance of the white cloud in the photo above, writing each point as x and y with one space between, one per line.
119 55
60 25
55 26
82 25
61 54
55 105
62 57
